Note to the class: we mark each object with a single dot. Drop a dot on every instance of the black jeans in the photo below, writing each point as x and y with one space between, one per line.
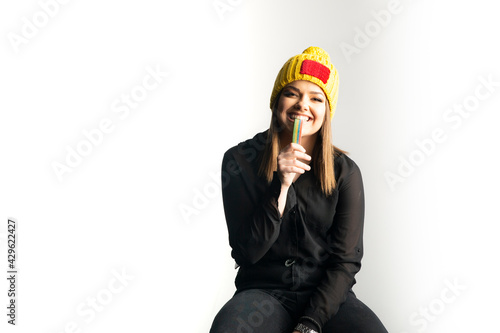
265 311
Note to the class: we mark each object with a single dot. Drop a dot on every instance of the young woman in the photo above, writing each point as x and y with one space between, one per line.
295 215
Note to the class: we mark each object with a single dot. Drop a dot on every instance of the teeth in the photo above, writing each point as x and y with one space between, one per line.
300 117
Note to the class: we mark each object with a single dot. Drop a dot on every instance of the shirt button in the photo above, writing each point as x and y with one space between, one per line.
289 262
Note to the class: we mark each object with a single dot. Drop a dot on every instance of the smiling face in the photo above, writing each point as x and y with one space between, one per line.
304 100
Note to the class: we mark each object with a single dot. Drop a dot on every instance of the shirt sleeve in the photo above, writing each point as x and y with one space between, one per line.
252 214
345 240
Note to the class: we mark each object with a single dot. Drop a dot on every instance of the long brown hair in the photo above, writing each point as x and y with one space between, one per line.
323 155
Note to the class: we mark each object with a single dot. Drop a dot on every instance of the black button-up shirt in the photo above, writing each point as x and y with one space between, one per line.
317 244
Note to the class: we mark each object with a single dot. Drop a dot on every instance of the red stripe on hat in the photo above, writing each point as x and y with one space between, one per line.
314 68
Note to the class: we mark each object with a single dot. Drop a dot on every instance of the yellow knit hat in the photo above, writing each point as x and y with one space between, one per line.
312 65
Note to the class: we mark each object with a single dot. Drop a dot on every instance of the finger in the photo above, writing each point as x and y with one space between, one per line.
291 169
284 162
296 146
294 156
295 153
301 155
300 151
293 147
295 163
302 165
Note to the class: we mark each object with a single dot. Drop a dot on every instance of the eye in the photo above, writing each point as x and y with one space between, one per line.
289 93
317 99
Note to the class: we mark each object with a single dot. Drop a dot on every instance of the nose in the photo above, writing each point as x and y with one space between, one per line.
302 105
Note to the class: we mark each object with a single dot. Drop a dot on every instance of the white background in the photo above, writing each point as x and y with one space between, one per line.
119 209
